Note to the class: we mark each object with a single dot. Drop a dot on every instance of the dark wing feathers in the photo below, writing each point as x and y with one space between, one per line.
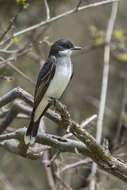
45 76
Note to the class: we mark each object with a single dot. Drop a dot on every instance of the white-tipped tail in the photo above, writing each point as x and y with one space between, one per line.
26 139
32 140
29 140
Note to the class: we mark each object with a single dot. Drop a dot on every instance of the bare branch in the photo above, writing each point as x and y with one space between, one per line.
8 62
47 10
104 84
28 98
87 121
16 93
14 146
78 5
60 143
11 24
49 172
99 154
76 164
84 124
15 109
20 72
57 17
62 182
96 152
106 70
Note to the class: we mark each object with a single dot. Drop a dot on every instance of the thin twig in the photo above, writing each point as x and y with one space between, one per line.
78 5
11 24
76 164
49 171
8 51
104 85
62 182
87 121
56 18
16 53
47 10
8 62
45 160
20 72
83 124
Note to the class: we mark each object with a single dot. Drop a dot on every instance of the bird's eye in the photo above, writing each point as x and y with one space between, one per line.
67 46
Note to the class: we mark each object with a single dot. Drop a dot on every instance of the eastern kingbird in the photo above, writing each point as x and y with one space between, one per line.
52 81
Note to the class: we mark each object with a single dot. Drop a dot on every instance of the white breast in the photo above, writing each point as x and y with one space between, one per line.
61 79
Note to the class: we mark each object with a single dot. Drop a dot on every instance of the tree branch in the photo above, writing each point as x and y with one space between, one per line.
60 143
99 154
47 10
16 93
83 162
94 150
49 172
104 84
15 109
56 18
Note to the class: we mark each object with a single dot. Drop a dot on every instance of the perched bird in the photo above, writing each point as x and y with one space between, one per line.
52 81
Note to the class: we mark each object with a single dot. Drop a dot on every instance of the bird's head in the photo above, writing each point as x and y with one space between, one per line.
63 48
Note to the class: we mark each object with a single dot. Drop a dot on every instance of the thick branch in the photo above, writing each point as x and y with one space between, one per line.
16 93
99 154
28 98
15 109
60 143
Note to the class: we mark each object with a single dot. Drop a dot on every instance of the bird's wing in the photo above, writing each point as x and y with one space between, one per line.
45 76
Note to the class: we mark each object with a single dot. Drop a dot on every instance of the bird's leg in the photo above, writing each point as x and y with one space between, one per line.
53 101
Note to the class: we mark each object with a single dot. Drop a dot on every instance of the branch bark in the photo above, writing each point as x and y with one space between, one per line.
99 154
60 143
87 144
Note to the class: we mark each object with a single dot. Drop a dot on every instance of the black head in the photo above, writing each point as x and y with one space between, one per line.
61 46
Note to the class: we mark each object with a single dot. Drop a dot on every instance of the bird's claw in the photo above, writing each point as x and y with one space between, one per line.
53 100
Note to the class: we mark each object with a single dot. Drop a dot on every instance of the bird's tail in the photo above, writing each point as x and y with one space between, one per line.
31 132
32 129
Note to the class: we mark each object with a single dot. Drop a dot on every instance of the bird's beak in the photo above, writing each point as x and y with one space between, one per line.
76 48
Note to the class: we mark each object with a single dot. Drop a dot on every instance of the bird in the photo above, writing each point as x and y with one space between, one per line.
52 81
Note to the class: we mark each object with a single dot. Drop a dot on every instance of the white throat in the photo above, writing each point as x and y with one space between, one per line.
66 52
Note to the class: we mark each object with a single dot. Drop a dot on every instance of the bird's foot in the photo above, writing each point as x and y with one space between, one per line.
53 100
